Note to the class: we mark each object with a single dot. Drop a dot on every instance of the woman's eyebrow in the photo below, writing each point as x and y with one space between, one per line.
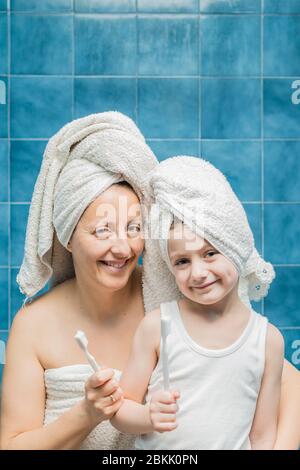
93 223
137 218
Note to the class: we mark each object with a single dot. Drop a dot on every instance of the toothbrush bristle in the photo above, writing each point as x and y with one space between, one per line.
81 339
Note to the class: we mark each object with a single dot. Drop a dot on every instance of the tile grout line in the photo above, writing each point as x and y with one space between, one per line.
172 139
262 136
73 61
287 203
181 139
287 328
136 63
9 158
153 77
279 265
199 85
151 14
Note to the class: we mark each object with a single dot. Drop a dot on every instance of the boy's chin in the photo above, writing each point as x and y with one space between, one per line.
204 299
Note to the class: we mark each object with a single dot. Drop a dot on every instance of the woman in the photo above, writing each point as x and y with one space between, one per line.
89 246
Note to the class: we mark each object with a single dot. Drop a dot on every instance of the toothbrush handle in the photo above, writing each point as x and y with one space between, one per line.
165 364
92 362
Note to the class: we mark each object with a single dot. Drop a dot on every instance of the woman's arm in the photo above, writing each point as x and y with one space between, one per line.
23 398
288 433
264 426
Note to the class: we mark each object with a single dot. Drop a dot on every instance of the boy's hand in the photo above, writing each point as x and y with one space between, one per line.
162 409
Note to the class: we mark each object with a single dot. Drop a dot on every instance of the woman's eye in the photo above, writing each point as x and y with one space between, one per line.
102 232
134 229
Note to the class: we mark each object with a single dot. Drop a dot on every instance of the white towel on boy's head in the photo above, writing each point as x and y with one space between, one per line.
80 162
198 194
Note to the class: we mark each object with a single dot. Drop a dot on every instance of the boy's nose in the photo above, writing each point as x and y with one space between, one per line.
199 272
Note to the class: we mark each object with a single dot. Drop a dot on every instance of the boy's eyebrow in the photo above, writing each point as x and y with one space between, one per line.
180 253
207 245
177 253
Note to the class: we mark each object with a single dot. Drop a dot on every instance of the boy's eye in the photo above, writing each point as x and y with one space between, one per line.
180 262
211 253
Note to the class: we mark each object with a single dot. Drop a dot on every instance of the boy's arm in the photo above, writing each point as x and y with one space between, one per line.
133 417
264 427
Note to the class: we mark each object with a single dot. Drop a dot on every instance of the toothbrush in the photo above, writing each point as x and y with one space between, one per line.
83 343
165 330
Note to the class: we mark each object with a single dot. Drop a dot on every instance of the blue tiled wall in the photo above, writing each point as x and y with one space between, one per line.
217 78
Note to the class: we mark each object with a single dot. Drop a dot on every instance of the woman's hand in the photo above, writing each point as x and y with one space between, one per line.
162 409
103 396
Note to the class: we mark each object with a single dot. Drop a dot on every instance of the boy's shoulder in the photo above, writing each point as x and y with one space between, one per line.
148 330
274 342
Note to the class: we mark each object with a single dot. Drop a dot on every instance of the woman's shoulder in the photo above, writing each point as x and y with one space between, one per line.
40 308
274 341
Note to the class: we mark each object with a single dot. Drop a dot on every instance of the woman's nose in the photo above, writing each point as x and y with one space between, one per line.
121 247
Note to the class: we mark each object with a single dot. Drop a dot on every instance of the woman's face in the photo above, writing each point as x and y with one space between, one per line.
107 241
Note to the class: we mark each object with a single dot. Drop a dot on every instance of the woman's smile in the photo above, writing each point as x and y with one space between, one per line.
114 266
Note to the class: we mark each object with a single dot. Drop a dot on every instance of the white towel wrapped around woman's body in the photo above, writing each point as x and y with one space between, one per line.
64 388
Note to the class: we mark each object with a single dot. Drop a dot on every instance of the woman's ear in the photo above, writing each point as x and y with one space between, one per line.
69 246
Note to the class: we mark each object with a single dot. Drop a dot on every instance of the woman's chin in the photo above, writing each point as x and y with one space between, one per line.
113 279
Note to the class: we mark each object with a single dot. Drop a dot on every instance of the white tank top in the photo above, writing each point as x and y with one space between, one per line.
218 388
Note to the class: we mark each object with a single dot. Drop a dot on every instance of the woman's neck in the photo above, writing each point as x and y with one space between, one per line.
102 305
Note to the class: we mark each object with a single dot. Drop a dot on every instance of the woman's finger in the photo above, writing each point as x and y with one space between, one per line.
108 388
99 378
112 398
110 410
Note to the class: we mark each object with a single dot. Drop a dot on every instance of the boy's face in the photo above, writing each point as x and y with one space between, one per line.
202 274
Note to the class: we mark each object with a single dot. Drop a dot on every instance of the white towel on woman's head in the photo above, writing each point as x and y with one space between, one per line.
80 162
199 195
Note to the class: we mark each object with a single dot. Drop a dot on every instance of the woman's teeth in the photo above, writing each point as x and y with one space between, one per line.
113 265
